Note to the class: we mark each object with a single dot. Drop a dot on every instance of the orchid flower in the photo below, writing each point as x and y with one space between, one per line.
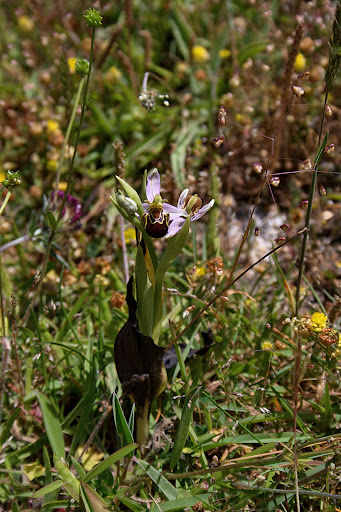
164 220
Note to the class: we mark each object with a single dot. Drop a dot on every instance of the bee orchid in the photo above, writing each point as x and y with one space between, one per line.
164 220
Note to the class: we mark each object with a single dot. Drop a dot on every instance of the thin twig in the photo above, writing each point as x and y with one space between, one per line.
229 284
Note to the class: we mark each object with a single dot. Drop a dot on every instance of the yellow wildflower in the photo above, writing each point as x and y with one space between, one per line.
224 54
130 236
52 126
300 63
2 176
25 23
52 165
72 64
62 186
200 271
266 345
113 74
200 54
318 322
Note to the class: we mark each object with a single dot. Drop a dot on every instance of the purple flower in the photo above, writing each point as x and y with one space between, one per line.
162 219
72 209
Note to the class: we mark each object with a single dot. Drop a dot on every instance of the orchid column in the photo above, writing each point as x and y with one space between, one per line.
138 359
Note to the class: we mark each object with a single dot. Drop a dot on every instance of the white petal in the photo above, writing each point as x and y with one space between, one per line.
153 186
203 210
175 226
173 211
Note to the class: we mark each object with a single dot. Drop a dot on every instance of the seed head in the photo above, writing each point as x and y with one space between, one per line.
93 18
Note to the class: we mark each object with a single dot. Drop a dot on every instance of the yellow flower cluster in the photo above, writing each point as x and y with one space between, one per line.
300 63
200 54
71 62
224 54
266 345
52 126
318 322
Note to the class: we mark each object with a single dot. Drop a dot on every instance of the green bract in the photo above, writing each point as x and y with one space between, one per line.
82 66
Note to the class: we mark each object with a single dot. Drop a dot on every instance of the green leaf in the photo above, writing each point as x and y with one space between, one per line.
131 504
131 192
145 293
52 425
51 220
159 480
80 470
69 318
121 423
15 506
184 424
86 501
94 499
109 461
6 428
174 248
48 488
70 482
179 153
320 151
183 503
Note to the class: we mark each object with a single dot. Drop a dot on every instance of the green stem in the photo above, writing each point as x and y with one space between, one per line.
53 230
142 424
79 128
67 136
309 211
8 195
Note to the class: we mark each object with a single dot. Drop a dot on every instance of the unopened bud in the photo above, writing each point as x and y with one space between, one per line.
322 190
329 111
297 90
304 76
303 205
329 149
285 227
275 181
257 167
222 116
82 67
126 203
306 165
217 141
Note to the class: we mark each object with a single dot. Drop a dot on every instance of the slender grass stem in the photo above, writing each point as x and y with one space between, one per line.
54 229
8 195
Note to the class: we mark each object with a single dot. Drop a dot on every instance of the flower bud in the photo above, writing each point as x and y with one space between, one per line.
275 181
297 90
12 179
126 203
82 67
93 18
